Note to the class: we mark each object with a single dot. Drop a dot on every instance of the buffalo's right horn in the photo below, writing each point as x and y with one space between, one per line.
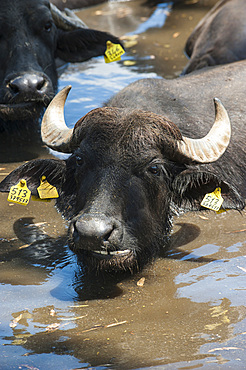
68 21
54 131
211 147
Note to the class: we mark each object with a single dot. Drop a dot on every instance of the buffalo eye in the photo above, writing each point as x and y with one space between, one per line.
79 160
154 169
48 26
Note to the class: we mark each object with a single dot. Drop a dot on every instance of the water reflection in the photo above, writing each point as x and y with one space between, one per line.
109 332
94 84
219 277
187 310
156 20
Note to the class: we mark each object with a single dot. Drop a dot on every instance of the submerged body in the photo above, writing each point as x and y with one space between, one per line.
219 38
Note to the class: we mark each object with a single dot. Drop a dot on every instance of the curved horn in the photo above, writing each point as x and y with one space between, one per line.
54 131
68 21
213 145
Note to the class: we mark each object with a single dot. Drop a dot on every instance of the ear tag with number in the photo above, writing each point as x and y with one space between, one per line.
19 193
113 52
46 190
213 200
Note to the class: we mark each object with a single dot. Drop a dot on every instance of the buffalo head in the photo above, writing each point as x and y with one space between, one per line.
128 173
33 33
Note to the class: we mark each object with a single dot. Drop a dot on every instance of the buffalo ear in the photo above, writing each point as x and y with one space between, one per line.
82 44
190 187
32 172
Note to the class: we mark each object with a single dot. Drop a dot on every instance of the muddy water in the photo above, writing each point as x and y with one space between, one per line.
186 310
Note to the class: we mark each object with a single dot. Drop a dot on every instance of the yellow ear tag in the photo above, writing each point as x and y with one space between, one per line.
46 190
113 52
213 200
19 193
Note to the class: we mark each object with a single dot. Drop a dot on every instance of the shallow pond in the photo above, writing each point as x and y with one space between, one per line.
186 310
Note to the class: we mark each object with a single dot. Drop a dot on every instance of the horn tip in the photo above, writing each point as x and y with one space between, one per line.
220 110
217 101
63 93
67 88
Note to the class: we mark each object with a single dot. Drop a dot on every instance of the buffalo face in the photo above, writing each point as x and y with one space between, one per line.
27 71
119 216
128 174
32 35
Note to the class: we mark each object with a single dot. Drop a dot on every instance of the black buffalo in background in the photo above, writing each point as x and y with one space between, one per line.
132 169
33 34
219 38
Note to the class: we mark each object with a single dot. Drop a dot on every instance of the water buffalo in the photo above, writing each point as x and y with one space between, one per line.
219 38
131 168
34 33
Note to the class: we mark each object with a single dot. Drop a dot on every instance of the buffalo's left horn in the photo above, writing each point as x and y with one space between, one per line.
68 21
54 131
213 145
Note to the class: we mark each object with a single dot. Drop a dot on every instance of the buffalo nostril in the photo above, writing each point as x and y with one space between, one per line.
75 233
27 83
107 235
14 87
91 232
